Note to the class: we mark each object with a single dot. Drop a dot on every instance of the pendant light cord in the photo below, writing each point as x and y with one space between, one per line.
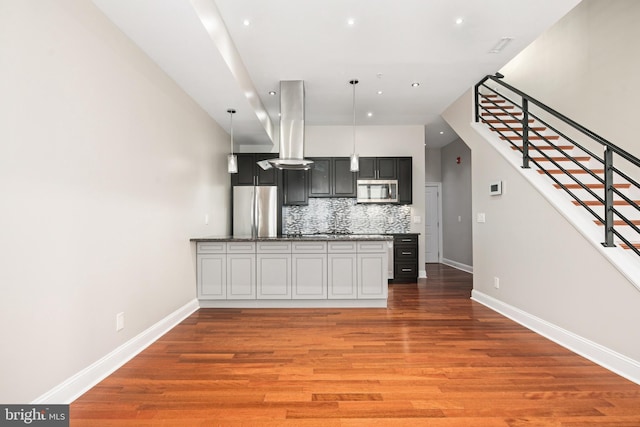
354 82
231 112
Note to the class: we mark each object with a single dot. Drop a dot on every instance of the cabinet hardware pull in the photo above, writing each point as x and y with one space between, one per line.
406 240
406 269
406 253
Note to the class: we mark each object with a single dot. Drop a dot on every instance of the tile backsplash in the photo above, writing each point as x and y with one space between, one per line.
343 215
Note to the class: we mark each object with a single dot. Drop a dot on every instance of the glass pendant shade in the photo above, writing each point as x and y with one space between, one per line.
232 163
232 159
354 162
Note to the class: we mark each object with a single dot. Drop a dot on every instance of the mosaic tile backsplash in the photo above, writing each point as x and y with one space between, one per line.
344 215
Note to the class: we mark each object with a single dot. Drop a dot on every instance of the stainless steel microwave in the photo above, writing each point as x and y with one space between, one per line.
377 191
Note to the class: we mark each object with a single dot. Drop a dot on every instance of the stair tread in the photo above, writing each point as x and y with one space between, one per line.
571 171
532 137
619 222
502 121
578 186
599 203
518 129
544 147
503 113
635 245
561 159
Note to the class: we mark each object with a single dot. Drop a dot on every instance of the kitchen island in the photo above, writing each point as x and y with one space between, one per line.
324 270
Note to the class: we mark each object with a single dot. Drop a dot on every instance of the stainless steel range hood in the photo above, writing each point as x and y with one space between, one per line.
291 127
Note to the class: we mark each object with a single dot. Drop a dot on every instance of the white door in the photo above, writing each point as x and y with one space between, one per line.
432 223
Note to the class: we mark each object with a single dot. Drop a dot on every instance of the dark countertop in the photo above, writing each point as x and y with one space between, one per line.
304 237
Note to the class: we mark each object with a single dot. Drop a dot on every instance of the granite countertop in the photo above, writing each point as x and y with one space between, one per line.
304 237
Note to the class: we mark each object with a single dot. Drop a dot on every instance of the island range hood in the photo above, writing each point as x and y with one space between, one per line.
291 127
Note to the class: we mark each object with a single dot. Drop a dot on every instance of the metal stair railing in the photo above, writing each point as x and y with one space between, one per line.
492 111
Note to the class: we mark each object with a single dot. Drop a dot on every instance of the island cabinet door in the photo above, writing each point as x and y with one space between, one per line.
274 276
241 276
309 276
342 278
212 276
372 275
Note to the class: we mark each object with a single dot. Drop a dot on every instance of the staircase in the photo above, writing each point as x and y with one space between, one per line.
590 181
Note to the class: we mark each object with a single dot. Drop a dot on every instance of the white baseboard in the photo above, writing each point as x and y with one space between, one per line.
603 356
72 388
422 274
458 265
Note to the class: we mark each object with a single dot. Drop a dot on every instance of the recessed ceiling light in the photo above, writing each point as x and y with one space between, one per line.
459 21
351 22
415 84
380 92
441 133
272 92
246 22
369 114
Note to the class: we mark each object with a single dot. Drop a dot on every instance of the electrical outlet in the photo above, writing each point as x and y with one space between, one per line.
119 321
496 283
481 217
206 219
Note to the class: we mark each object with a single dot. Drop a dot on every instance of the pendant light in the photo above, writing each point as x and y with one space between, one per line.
354 160
232 160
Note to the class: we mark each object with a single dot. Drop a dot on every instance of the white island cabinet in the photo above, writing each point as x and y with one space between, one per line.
372 270
241 270
212 270
274 270
309 270
290 272
343 270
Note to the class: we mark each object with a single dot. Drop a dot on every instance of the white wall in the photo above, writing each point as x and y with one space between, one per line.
377 141
546 267
106 170
586 66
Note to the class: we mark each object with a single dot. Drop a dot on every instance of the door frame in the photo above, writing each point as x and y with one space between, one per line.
438 186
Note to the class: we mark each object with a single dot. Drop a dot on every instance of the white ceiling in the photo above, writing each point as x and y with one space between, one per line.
391 44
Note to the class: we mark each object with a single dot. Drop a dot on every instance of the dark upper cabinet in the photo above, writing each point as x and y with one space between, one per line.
249 173
368 168
405 180
331 177
321 177
344 181
387 167
378 168
295 187
269 176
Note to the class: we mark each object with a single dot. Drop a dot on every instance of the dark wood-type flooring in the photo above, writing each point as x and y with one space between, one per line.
432 358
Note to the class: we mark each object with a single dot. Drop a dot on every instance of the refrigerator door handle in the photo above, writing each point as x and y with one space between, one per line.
254 214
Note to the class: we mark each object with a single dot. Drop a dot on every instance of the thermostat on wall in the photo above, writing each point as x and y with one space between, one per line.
495 188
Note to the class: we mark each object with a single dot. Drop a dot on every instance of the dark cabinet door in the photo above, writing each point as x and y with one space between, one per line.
387 168
246 170
295 187
265 177
321 177
367 168
249 173
344 181
405 178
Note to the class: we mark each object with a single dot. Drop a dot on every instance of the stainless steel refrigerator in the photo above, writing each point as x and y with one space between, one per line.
255 211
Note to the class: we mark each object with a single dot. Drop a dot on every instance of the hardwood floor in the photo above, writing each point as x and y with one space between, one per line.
433 357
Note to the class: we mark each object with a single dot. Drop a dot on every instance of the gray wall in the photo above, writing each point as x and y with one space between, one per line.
456 204
432 164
